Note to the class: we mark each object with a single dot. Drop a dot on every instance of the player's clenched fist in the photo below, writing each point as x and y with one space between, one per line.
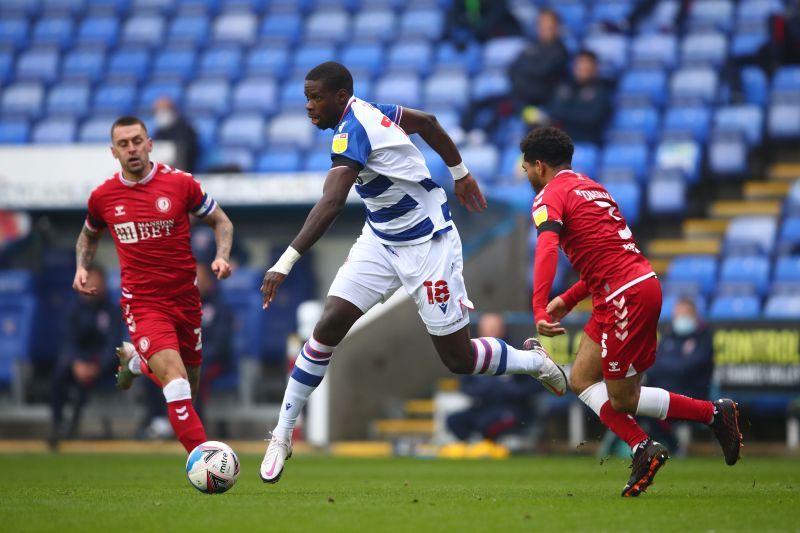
272 281
79 283
221 268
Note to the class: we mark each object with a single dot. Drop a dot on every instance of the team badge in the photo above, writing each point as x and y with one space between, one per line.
163 204
144 344
540 216
339 143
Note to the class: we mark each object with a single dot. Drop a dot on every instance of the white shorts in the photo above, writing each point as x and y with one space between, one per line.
431 273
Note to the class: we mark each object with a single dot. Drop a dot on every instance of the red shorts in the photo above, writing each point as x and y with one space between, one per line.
173 323
626 328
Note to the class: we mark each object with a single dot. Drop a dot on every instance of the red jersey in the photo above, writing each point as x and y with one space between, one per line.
592 233
149 221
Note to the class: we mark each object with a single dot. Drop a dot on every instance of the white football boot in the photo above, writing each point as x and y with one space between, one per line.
278 451
550 374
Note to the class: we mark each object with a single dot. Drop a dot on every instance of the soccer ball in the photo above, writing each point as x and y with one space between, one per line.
212 467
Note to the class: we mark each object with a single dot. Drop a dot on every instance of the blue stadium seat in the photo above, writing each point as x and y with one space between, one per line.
417 56
683 155
399 89
206 127
255 94
735 308
375 25
161 88
283 160
699 269
13 32
747 269
115 97
57 31
59 130
368 56
751 234
239 27
490 84
637 120
175 62
789 238
791 206
317 161
748 44
17 314
242 130
783 307
694 85
573 16
711 14
14 130
209 95
628 196
669 301
643 87
483 161
212 7
84 64
69 99
787 269
6 64
222 61
755 85
144 30
693 122
633 156
37 64
746 118
71 7
232 156
784 121
23 98
292 94
422 24
290 129
129 63
654 50
96 129
310 55
611 12
498 53
165 7
245 302
332 26
510 164
584 159
728 154
102 30
667 195
283 26
191 29
786 84
467 59
268 60
611 50
758 10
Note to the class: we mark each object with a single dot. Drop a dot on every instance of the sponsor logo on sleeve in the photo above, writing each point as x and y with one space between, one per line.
339 143
540 216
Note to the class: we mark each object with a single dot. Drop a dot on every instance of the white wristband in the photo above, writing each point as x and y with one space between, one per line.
286 262
459 171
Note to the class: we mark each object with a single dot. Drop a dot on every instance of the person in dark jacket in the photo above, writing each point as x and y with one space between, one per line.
172 126
91 331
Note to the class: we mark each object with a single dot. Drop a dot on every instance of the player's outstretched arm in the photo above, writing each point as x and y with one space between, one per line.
466 188
223 234
337 186
85 250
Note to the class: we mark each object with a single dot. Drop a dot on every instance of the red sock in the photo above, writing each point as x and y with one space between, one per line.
149 373
622 424
186 424
684 408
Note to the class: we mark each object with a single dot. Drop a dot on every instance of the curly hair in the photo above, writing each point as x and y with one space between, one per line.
547 144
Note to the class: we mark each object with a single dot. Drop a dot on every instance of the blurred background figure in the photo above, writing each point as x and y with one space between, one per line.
582 106
92 329
500 405
481 20
174 127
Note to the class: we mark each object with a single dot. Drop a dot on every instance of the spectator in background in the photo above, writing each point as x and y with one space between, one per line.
582 106
481 20
172 126
91 331
499 405
684 364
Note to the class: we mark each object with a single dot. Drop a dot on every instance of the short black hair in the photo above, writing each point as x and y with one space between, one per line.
127 120
333 75
587 53
547 144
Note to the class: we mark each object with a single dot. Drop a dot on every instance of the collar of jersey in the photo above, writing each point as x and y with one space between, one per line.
562 171
346 109
129 183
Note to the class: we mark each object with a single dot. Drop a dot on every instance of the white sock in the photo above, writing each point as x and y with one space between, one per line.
177 389
309 369
494 357
595 396
135 364
653 402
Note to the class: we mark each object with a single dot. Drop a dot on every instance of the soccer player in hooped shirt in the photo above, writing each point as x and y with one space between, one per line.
619 341
409 240
146 207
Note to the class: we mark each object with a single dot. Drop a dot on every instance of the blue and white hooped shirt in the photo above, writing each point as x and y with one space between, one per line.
404 205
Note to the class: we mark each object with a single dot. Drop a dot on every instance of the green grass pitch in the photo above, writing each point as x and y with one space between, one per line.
115 493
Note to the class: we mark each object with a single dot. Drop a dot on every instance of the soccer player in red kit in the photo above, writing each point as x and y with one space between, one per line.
619 345
146 207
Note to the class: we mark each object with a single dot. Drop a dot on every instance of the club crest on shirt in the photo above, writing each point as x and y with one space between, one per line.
144 344
339 143
540 216
163 204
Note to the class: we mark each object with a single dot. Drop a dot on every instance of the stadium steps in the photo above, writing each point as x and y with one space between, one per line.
660 266
784 171
766 190
395 428
668 248
704 228
419 408
735 208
